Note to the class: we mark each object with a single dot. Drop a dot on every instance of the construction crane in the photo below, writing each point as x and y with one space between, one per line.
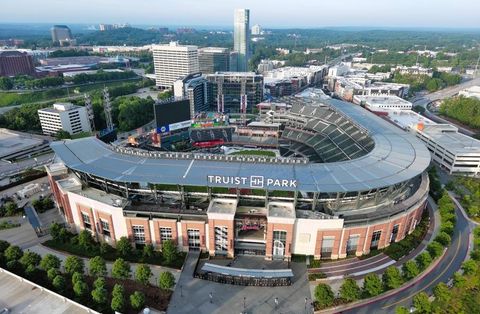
107 107
89 107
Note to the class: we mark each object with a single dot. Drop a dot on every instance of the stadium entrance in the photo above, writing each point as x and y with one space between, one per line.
250 231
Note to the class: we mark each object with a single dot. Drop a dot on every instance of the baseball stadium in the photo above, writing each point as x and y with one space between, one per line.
325 178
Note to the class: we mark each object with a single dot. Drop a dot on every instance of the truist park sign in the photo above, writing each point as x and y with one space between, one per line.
252 181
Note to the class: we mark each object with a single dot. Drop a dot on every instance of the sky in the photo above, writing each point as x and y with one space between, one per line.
268 13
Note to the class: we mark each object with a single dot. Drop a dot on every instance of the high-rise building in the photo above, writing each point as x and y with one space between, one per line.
233 61
213 59
236 91
13 63
62 34
64 116
256 29
105 27
241 38
174 61
197 90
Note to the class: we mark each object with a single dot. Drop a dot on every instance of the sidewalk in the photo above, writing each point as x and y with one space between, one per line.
156 270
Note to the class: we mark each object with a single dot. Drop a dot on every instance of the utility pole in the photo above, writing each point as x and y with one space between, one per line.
107 107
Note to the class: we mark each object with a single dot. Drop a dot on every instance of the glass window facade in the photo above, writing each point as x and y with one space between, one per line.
352 244
139 234
105 227
193 238
327 246
86 221
375 239
165 234
221 239
279 243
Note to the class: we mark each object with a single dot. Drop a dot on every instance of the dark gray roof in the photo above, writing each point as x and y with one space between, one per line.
397 157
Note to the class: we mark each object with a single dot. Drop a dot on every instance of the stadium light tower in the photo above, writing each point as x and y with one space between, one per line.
107 107
89 107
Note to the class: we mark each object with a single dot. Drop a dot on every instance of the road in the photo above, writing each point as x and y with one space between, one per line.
7 169
425 100
448 265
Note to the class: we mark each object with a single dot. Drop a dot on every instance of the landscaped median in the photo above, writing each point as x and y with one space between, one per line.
376 287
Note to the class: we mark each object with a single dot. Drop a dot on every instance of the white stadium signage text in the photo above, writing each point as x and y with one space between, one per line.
252 181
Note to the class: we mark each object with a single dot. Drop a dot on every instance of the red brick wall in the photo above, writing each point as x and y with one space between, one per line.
279 227
138 222
212 223
328 233
87 210
200 225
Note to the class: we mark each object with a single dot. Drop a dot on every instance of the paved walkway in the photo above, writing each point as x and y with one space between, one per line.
156 270
191 295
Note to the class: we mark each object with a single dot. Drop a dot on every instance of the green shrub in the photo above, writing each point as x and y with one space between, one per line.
324 296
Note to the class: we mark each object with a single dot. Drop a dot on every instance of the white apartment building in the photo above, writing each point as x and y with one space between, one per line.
256 29
64 116
174 61
453 151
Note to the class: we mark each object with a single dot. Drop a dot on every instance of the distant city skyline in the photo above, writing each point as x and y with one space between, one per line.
268 13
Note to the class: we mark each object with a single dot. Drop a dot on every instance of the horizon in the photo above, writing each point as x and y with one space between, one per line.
214 14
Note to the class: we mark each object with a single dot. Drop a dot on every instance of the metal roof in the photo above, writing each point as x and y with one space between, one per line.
245 272
397 157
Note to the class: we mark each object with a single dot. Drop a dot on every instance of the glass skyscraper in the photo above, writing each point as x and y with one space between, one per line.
241 38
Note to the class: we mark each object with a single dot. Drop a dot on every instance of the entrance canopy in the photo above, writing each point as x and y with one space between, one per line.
243 272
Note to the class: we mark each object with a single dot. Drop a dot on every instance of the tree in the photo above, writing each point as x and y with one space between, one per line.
85 239
169 251
147 251
59 283
124 247
105 248
6 83
121 269
80 288
392 278
410 270
442 293
143 274
3 246
372 285
324 295
166 280
55 232
100 295
118 299
77 277
13 253
30 259
52 273
421 303
435 249
349 290
443 238
97 267
401 310
469 267
11 208
459 281
74 264
423 260
50 261
137 300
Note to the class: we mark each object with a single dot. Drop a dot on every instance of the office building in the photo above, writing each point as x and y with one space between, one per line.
105 27
213 59
64 116
256 29
174 61
241 38
453 151
197 90
236 91
13 63
62 34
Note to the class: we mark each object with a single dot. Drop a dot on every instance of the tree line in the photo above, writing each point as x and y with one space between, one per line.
466 110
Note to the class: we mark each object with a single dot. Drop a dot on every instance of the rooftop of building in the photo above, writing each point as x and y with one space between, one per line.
60 107
213 49
445 135
22 296
472 89
71 183
103 197
281 210
235 74
12 142
174 45
223 206
382 100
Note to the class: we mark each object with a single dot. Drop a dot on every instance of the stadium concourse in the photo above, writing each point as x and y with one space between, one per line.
346 182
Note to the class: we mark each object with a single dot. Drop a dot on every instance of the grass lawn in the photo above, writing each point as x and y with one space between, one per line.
265 153
8 225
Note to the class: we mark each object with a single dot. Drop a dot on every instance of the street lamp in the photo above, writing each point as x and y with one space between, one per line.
276 302
245 305
181 291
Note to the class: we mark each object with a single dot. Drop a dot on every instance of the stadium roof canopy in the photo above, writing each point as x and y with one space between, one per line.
397 157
